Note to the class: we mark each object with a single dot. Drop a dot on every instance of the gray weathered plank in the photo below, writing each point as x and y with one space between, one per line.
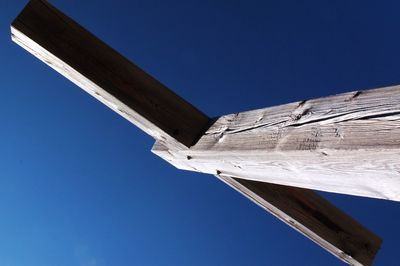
348 143
105 74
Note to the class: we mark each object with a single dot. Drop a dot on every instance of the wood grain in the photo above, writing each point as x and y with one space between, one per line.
105 74
347 143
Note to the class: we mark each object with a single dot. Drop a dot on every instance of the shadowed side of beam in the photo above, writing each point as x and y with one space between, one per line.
105 74
314 217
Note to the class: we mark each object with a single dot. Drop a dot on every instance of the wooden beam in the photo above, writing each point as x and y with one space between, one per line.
348 143
175 124
306 212
105 74
314 217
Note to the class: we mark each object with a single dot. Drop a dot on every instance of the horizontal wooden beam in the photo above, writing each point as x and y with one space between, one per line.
305 211
348 143
105 74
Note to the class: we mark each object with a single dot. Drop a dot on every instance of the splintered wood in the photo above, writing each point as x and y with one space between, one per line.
347 143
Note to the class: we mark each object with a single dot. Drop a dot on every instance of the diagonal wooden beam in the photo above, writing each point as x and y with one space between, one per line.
105 74
314 217
175 124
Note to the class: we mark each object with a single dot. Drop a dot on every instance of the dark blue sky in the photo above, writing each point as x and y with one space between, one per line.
78 184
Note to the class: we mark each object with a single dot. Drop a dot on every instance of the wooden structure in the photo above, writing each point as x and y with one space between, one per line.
346 143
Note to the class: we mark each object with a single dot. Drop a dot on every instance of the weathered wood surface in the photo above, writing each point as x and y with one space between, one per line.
314 217
348 143
105 74
175 124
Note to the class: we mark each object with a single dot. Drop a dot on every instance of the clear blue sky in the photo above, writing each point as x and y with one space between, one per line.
78 184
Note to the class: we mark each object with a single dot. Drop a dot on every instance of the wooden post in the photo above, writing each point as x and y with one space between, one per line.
177 126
